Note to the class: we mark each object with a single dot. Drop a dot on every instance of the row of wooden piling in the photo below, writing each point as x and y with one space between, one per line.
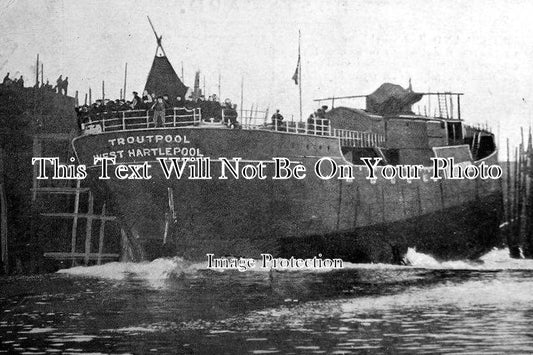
518 198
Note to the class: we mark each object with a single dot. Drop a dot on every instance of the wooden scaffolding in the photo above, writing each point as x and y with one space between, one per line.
73 187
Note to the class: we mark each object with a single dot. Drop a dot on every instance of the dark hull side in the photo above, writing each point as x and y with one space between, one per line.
357 220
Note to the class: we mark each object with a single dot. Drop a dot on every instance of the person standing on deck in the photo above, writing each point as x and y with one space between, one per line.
147 99
59 84
136 103
64 87
20 82
7 80
277 119
159 112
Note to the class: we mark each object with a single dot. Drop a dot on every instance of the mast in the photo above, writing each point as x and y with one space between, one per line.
300 73
242 93
219 86
157 38
297 77
37 72
125 79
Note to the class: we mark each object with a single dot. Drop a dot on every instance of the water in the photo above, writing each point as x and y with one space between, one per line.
172 306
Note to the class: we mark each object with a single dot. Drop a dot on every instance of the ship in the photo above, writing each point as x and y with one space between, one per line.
356 219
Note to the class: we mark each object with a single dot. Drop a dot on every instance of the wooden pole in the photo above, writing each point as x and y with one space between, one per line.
37 152
85 102
120 95
76 99
3 218
529 197
103 91
125 80
509 204
3 229
89 228
42 75
219 79
75 221
516 197
429 102
300 74
242 93
522 191
90 97
101 237
459 106
37 72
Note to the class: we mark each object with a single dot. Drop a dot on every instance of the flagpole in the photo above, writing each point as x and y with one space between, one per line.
242 93
300 74
219 86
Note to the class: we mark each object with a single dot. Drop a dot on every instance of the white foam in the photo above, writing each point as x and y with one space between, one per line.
159 270
496 259
138 329
38 330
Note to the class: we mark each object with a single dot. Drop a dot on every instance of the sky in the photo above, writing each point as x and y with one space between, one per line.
480 48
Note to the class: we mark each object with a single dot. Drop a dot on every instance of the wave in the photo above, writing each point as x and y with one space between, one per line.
496 259
164 268
159 269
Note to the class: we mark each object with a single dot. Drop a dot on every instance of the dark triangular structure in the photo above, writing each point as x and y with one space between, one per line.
162 80
391 99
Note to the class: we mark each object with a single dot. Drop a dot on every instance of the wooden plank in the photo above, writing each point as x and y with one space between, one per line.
37 152
3 229
78 215
101 236
69 256
75 220
89 228
54 136
60 190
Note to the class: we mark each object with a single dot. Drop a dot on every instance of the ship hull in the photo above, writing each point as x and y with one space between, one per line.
358 220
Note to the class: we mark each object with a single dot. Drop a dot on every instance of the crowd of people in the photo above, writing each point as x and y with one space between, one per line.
15 82
60 88
318 117
211 109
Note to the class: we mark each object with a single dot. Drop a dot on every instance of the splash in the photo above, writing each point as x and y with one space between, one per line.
158 269
166 268
496 259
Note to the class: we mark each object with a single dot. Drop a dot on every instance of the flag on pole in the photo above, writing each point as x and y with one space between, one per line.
297 71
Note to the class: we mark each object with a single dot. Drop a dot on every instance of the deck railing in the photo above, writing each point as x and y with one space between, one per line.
359 139
139 119
250 119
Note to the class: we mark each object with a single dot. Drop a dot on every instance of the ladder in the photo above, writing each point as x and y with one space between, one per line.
476 142
443 105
